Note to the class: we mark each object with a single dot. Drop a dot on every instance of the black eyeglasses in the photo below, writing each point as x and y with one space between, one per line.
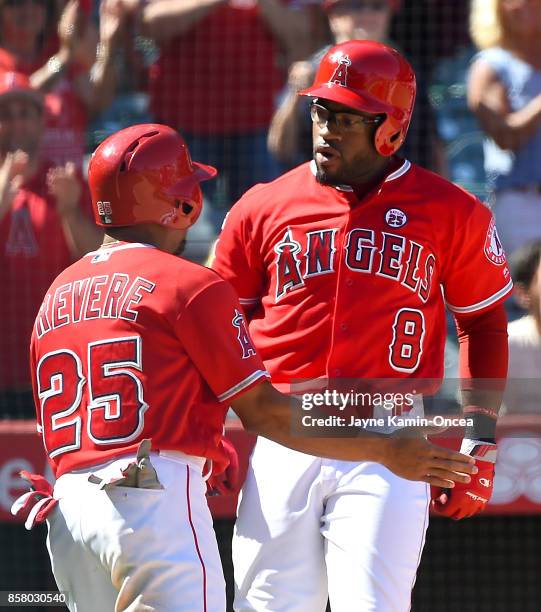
339 120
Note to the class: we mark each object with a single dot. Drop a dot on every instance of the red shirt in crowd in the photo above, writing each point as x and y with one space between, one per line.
221 77
64 138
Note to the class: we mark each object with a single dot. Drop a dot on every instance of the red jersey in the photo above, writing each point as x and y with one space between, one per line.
132 343
34 251
66 119
220 77
347 288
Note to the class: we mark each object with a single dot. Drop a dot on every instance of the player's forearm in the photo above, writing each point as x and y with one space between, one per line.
162 20
368 447
483 360
268 413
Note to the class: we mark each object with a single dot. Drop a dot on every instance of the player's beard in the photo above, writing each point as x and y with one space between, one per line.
347 173
359 170
323 178
339 178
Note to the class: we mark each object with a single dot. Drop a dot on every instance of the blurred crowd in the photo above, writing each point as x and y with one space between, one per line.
225 73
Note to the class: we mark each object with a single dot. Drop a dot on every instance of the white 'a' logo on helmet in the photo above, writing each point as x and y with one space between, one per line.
340 74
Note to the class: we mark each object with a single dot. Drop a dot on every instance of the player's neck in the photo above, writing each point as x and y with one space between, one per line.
144 232
364 187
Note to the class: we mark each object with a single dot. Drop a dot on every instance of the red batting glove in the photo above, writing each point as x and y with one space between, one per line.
224 479
465 500
36 505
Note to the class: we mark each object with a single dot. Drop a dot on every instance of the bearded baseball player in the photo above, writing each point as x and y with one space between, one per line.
136 355
344 267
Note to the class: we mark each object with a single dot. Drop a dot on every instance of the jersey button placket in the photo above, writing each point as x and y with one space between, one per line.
339 326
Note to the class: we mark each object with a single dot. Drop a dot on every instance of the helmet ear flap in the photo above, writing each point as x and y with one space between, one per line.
187 211
389 136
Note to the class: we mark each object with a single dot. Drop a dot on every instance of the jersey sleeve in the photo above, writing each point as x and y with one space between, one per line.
237 255
476 275
214 333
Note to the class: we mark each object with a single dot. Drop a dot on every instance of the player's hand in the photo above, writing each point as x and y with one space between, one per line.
468 499
224 479
415 458
36 505
63 183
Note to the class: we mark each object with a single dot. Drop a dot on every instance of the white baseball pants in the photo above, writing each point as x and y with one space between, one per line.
137 550
310 527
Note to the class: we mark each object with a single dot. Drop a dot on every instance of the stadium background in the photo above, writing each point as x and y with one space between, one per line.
487 563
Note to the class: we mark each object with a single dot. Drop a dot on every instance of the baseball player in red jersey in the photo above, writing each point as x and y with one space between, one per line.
136 355
344 267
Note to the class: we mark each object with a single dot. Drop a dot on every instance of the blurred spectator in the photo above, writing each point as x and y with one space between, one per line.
290 134
427 31
523 394
133 56
59 55
220 67
317 24
42 230
457 127
504 92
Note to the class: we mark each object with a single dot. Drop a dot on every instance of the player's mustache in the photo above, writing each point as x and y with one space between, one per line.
326 149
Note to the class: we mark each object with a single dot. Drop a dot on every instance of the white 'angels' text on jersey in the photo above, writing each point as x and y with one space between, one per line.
366 251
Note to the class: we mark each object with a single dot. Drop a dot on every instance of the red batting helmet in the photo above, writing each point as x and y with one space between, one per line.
371 77
144 174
